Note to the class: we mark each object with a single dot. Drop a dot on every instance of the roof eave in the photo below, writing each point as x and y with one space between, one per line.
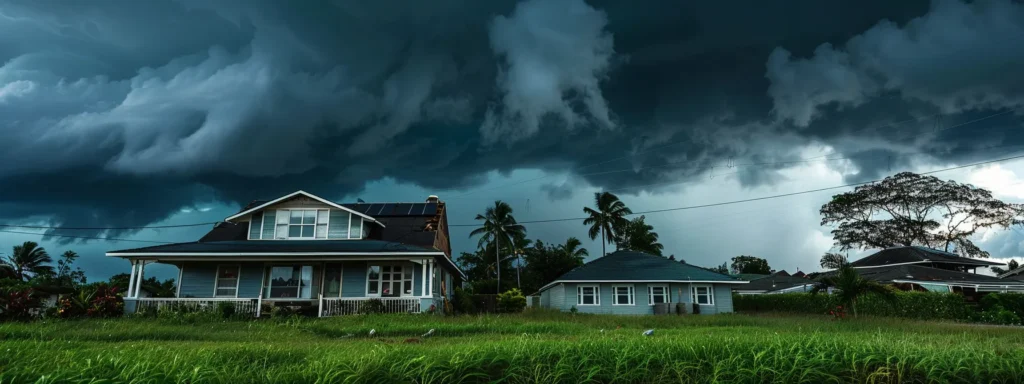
643 281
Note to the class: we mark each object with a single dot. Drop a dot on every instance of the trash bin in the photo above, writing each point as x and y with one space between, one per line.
680 309
662 308
696 309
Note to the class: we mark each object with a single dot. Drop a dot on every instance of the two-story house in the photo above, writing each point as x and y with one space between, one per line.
304 251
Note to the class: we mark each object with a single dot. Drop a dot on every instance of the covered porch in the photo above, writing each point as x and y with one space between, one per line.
329 285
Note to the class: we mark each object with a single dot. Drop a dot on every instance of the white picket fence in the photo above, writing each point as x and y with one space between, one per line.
351 306
242 305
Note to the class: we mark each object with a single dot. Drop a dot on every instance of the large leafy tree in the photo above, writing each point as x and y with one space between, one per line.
28 260
636 235
911 209
606 218
849 286
750 264
833 261
547 262
499 227
723 269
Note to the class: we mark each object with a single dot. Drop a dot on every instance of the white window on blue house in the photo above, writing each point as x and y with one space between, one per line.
302 223
702 294
227 281
657 294
588 295
623 295
389 281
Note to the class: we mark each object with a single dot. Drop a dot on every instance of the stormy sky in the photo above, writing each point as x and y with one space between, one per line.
133 113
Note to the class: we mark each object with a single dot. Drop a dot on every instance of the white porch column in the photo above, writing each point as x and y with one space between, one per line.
142 274
131 281
423 281
430 276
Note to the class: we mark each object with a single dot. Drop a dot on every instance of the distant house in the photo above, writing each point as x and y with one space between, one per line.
927 269
304 251
626 282
779 282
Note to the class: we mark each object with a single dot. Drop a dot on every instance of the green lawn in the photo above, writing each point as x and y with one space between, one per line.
537 348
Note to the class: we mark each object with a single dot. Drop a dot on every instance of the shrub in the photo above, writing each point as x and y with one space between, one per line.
511 301
20 304
105 302
913 305
371 306
1013 302
463 301
226 309
998 315
281 312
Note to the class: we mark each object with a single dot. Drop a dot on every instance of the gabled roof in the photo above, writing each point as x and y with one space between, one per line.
304 193
917 255
628 266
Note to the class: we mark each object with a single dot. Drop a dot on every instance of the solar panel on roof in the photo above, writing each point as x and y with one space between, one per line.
402 209
430 209
372 209
416 209
386 209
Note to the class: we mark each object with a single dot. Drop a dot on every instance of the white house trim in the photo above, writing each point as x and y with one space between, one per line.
307 194
549 285
155 254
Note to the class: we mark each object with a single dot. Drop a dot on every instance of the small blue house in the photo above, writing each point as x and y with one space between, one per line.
631 283
304 251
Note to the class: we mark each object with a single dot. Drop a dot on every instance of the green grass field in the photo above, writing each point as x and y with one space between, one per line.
533 348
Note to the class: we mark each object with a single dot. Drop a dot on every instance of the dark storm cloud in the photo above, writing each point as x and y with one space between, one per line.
135 109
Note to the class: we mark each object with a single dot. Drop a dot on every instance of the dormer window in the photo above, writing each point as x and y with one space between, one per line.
302 224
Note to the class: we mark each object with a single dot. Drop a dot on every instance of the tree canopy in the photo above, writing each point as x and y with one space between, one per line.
750 264
1013 264
636 235
607 219
910 209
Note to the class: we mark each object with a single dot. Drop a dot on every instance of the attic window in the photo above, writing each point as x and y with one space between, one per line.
302 223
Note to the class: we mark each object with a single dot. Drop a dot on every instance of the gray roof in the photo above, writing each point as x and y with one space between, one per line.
887 274
1016 274
917 255
279 246
774 282
641 267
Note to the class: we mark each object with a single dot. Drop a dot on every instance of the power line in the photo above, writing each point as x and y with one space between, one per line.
105 228
758 198
86 237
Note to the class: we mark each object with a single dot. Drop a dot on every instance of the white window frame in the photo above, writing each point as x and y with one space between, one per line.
579 295
267 268
286 214
710 294
252 218
650 293
380 280
630 290
216 279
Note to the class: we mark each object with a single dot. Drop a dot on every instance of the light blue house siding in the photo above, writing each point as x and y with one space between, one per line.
564 296
198 278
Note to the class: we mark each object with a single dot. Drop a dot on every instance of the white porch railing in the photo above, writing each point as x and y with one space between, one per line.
351 306
242 305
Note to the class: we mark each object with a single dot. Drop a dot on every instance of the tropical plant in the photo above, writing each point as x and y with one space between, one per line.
511 301
636 235
607 219
833 261
27 260
18 303
499 226
848 286
545 262
910 209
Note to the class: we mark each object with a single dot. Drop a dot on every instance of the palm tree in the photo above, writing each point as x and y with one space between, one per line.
572 249
848 286
498 226
639 236
28 258
833 261
607 219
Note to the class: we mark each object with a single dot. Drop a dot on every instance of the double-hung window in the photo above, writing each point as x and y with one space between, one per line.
623 295
289 282
227 281
302 223
702 294
657 294
588 295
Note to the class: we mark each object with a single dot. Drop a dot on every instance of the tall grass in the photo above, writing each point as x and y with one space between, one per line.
537 348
